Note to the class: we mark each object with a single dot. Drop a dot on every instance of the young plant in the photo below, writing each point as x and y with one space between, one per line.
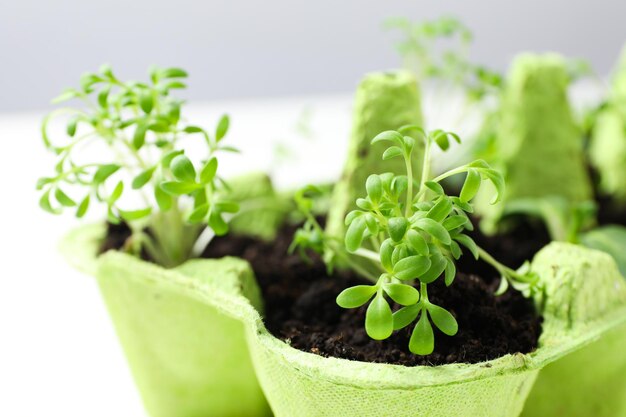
140 129
406 234
438 50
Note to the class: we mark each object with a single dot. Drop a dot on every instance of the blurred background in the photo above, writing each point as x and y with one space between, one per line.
244 49
285 71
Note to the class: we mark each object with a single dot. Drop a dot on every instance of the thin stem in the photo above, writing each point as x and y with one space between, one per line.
502 269
408 211
367 254
423 293
425 169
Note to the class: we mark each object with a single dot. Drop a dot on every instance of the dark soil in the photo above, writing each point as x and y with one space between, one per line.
300 306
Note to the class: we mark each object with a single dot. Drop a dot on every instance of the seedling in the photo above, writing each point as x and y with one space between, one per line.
141 126
438 50
407 231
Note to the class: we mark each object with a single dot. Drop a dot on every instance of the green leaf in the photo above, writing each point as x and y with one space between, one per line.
117 193
411 267
217 223
443 319
139 137
104 172
135 214
143 178
164 200
167 159
178 188
479 163
471 186
402 294
469 243
159 127
208 172
440 210
349 217
227 206
450 272
183 169
378 319
354 234
174 85
199 214
193 129
63 198
374 188
399 252
453 222
392 152
434 229
389 135
356 296
435 186
71 126
498 182
66 95
83 206
146 102
441 139
173 73
103 97
364 203
405 316
502 287
386 250
44 203
371 223
455 249
87 80
437 267
41 182
397 228
222 128
418 243
422 340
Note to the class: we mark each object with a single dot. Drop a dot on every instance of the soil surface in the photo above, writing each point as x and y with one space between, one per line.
300 305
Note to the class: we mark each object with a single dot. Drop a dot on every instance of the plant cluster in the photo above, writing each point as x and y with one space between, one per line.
406 233
141 127
438 50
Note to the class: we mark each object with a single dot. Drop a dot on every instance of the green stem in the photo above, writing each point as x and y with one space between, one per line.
504 270
423 293
408 211
425 169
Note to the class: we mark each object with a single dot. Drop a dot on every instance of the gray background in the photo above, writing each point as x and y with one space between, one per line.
237 48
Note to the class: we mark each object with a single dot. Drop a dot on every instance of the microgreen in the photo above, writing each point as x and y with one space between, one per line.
438 50
141 126
407 231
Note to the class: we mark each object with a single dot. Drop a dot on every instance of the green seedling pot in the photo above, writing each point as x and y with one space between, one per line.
538 146
580 308
584 302
187 357
590 381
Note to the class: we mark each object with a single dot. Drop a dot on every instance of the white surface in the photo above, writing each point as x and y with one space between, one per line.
58 352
